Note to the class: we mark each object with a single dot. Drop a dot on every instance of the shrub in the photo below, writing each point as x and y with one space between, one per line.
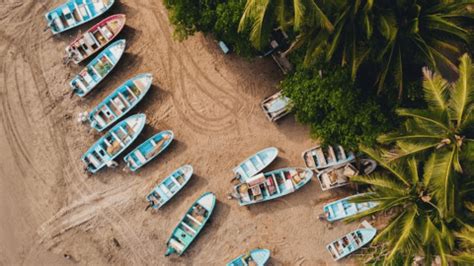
336 109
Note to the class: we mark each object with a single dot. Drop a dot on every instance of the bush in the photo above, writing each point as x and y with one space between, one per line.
337 110
218 17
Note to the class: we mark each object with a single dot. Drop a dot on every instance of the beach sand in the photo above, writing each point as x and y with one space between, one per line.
50 207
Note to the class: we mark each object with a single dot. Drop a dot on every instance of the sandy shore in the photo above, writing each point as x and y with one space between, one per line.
50 207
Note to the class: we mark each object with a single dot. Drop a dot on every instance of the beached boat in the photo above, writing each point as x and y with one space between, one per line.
191 224
272 185
75 12
169 187
343 208
148 150
97 69
255 163
115 141
95 38
340 175
315 158
351 242
257 257
276 106
119 102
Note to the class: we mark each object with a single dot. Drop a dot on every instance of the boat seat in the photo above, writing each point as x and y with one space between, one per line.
321 159
166 190
176 245
193 219
187 226
93 160
140 156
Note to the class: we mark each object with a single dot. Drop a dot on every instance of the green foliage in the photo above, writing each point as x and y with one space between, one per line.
336 109
409 188
218 17
394 38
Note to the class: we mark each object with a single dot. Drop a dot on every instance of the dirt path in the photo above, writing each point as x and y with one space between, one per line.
50 207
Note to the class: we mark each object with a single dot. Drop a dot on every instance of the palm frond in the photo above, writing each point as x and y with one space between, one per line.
380 181
441 182
439 119
435 88
462 96
398 172
406 236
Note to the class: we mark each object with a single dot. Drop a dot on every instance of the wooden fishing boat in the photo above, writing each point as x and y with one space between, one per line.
255 163
351 242
95 38
257 257
97 69
119 102
115 141
148 150
343 208
340 175
75 12
191 224
169 187
272 185
276 106
316 159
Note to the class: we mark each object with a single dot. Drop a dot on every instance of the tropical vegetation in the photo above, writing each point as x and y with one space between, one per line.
336 109
362 66
391 39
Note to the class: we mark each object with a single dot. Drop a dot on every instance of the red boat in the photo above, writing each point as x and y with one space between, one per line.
95 38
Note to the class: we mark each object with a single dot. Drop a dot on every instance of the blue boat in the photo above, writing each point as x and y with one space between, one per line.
271 185
148 150
351 242
343 208
258 257
169 187
97 69
255 163
119 102
115 141
316 159
191 224
75 12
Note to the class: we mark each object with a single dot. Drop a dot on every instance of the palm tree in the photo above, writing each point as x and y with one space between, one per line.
418 226
305 16
443 131
429 31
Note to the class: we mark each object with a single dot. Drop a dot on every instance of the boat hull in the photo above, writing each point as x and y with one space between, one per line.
95 38
343 208
96 71
316 159
148 150
255 163
283 182
339 251
258 256
113 143
74 13
169 187
120 102
183 235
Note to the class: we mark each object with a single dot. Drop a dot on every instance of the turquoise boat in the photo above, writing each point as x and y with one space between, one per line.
258 257
97 69
272 185
351 242
191 224
119 102
255 163
148 150
317 159
169 187
115 141
343 208
74 13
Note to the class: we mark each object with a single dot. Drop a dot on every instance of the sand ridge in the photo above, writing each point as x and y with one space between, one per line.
51 207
